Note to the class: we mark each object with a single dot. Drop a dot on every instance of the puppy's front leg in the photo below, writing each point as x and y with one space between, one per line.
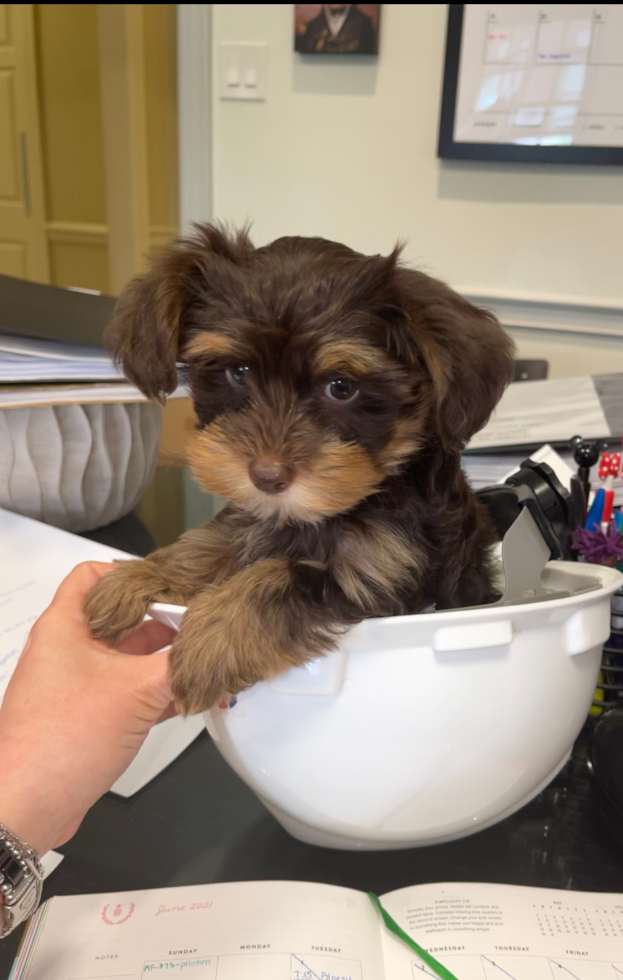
257 624
174 574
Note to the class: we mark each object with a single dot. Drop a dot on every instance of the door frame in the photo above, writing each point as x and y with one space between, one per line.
194 93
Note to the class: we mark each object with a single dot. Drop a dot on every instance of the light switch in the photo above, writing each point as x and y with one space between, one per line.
243 71
250 78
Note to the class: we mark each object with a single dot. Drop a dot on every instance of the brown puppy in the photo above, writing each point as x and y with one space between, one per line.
334 393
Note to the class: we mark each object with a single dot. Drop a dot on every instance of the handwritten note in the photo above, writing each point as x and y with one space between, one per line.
16 617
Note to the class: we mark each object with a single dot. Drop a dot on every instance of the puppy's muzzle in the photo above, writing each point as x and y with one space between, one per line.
271 475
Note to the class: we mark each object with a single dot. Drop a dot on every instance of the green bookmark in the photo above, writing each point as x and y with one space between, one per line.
393 926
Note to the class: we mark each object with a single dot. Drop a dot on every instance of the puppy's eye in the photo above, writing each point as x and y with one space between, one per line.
238 376
341 390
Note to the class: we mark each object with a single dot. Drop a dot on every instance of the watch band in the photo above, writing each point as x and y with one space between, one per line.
21 881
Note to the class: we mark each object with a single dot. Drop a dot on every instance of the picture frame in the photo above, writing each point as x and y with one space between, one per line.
553 144
327 29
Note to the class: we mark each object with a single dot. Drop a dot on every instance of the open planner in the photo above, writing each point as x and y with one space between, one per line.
297 931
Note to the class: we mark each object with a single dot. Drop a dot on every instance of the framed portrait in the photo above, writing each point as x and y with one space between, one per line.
336 28
533 82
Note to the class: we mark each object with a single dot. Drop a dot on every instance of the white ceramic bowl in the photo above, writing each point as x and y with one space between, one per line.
422 729
77 467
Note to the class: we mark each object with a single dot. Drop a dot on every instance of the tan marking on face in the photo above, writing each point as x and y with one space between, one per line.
209 345
406 440
354 358
333 480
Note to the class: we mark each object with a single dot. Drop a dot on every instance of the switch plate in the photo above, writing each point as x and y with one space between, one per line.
243 71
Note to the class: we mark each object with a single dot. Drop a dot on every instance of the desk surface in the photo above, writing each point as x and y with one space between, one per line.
197 822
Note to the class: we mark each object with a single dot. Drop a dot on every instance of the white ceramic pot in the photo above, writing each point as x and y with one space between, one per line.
422 729
77 466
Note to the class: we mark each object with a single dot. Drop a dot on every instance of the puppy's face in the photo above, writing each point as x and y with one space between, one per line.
300 417
315 372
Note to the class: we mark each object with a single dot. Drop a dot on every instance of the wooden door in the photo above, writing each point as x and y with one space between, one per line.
23 250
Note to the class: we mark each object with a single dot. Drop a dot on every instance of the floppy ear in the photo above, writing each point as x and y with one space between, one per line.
144 333
466 352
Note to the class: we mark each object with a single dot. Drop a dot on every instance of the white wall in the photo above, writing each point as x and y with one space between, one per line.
346 148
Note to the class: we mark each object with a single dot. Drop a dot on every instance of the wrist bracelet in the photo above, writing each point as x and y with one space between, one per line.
21 880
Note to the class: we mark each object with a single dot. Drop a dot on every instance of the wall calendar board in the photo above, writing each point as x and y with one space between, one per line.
533 82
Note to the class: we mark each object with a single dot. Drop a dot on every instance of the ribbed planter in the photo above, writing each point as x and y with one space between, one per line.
77 466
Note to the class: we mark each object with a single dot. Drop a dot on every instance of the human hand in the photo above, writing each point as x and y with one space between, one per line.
75 714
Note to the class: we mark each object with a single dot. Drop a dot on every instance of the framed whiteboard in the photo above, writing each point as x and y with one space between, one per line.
533 82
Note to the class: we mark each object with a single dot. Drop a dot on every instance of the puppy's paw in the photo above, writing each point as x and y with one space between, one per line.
221 649
120 599
206 662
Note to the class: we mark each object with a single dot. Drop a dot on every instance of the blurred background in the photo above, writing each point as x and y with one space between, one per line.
119 125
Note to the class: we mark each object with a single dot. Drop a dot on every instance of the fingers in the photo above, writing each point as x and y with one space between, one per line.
147 638
71 592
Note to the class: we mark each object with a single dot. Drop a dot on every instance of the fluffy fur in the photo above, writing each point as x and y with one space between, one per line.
334 393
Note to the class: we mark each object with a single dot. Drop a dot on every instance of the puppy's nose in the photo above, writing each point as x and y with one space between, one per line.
271 475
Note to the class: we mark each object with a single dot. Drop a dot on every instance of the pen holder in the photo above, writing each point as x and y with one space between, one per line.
610 686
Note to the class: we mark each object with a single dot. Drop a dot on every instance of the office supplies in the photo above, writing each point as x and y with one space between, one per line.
278 930
26 396
533 412
608 469
34 558
30 360
585 455
596 511
31 309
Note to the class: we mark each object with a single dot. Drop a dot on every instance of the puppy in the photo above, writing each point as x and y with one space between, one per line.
334 393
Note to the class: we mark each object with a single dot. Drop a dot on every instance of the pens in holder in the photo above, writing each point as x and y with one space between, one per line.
609 467
596 512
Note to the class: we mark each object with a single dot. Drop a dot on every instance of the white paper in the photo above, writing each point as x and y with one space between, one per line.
546 454
30 359
35 347
253 931
535 412
75 394
164 743
34 559
50 862
497 932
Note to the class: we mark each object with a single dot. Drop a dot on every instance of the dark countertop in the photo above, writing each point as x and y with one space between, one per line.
197 822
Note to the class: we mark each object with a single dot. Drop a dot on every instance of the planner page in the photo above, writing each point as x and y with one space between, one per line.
504 932
242 931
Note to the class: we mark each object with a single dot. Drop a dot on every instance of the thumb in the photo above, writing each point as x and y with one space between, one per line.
152 676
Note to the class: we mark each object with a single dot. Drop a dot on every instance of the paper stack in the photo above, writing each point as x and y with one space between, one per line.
51 348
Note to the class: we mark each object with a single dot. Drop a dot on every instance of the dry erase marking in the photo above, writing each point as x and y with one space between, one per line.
174 965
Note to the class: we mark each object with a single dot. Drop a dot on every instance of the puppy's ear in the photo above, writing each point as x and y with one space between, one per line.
466 352
144 333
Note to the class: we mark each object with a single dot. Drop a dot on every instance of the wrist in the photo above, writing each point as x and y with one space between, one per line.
27 809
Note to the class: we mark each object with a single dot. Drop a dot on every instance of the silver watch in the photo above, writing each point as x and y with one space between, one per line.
21 881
